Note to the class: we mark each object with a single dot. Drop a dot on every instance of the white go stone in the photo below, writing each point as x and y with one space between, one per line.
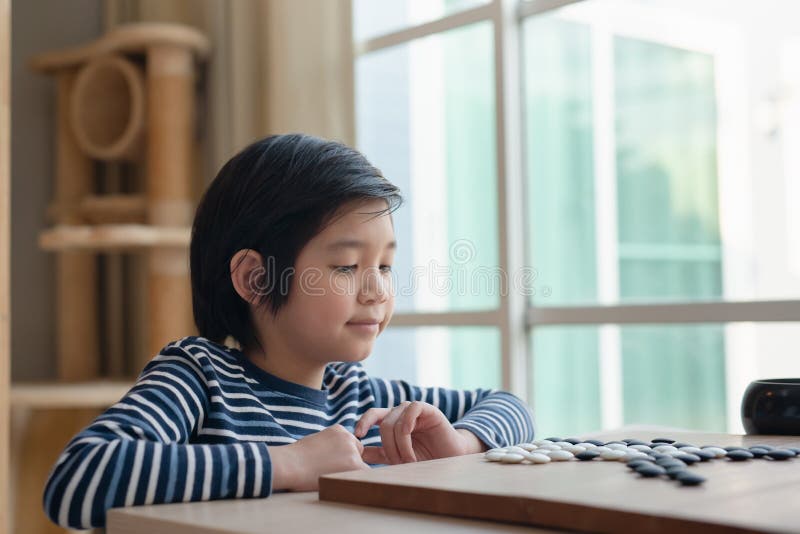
587 445
512 458
528 446
690 450
719 452
663 449
540 442
575 449
641 448
560 456
549 447
538 458
601 449
498 449
612 455
494 456
617 446
563 444
517 450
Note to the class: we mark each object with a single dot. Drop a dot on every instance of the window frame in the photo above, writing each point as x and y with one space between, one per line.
515 317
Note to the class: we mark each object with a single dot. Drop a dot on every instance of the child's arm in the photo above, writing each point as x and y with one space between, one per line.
137 452
495 418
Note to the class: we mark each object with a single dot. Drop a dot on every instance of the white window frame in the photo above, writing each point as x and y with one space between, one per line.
515 317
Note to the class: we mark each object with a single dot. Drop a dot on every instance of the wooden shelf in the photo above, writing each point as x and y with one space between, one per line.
48 395
112 237
131 38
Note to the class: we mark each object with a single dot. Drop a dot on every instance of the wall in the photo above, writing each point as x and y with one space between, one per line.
37 26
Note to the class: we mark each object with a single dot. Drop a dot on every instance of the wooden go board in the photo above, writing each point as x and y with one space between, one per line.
596 496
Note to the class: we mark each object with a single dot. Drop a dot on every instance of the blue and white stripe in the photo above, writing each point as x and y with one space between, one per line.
199 421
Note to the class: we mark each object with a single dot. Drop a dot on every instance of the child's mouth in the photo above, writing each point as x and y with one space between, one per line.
368 327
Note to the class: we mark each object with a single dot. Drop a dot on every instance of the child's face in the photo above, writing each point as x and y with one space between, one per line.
341 296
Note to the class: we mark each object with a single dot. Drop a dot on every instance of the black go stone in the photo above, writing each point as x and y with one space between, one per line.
587 455
704 455
649 471
631 441
665 441
595 442
739 455
681 444
574 441
729 449
758 452
666 464
780 454
660 456
633 464
688 458
673 471
618 442
687 478
760 446
795 450
554 439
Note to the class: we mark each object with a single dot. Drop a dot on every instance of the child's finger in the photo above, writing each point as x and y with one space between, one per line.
359 445
374 455
388 433
403 429
371 417
410 416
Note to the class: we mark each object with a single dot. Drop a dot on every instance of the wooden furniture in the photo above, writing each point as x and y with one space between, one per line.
5 255
757 496
44 417
289 512
125 104
597 496
129 96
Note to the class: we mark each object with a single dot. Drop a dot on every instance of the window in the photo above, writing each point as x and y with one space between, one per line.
601 196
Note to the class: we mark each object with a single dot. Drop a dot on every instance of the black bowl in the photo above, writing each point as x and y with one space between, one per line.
772 406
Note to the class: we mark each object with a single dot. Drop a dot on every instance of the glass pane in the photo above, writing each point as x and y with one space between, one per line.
588 378
372 18
564 380
461 357
661 159
425 117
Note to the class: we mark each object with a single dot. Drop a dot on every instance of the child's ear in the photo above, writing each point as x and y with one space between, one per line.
247 274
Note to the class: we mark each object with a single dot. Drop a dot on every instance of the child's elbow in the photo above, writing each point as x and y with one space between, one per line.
63 500
69 515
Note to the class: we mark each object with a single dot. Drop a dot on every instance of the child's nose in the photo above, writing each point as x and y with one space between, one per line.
375 286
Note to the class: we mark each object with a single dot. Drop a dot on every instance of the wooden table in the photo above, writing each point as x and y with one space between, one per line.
756 496
293 513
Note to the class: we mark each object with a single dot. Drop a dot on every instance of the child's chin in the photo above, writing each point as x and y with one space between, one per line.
357 356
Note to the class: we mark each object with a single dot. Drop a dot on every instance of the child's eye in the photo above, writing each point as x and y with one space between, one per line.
386 268
345 268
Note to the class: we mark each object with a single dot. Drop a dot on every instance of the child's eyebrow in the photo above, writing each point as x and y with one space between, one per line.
354 243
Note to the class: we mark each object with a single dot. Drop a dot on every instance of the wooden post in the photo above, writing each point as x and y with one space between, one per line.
170 138
5 257
76 272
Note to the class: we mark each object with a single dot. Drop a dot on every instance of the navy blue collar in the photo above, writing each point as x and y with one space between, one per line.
315 396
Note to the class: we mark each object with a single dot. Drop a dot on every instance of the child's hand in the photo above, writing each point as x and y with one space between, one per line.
299 465
414 431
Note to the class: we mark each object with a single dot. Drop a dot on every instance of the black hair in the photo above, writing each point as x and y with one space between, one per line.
272 197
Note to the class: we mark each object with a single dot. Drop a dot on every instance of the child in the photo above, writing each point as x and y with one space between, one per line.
291 256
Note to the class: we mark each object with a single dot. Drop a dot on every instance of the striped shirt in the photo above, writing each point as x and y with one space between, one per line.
199 421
